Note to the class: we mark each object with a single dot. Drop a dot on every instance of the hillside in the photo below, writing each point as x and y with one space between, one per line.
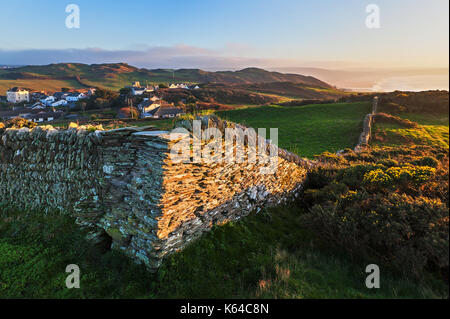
294 90
115 76
387 204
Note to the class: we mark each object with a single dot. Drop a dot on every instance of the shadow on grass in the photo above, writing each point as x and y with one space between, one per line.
266 255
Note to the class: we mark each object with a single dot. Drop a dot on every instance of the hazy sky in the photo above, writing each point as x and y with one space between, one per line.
201 33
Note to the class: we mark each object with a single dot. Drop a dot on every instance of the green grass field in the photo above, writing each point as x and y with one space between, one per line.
433 131
310 129
267 255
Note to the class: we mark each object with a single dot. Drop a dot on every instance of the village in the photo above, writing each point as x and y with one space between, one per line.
44 106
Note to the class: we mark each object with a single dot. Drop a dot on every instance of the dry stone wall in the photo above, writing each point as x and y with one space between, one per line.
367 127
51 169
122 183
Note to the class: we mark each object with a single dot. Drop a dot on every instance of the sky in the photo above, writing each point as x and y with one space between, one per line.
228 34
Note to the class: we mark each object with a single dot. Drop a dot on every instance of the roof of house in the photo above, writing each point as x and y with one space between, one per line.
167 110
30 113
16 89
49 114
60 94
146 103
75 94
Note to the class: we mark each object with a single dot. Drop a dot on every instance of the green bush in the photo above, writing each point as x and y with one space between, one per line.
353 175
392 211
427 161
409 234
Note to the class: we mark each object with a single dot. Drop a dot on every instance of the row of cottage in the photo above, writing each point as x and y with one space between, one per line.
137 89
37 111
157 108
18 95
42 100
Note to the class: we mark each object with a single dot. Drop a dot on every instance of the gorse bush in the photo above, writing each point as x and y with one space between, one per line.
377 177
385 205
407 233
17 123
394 176
427 161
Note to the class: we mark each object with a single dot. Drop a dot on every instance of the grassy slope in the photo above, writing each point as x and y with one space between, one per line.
433 131
116 76
295 90
265 255
39 84
310 129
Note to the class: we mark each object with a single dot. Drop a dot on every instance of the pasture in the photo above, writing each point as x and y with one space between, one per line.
310 129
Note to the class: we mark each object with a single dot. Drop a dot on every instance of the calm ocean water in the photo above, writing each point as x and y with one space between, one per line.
411 83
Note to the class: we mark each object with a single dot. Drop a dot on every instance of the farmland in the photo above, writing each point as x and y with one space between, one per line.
310 129
315 247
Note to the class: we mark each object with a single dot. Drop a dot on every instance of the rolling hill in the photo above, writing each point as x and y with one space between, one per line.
115 76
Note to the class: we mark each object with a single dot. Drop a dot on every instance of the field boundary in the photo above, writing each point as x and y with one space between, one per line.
366 134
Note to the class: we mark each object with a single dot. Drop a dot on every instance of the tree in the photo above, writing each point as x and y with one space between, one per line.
4 105
125 91
129 112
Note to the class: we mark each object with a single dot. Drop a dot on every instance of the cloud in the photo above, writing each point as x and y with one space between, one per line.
178 56
230 57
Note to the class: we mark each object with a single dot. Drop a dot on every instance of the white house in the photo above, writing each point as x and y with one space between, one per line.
59 103
74 97
167 111
38 106
48 100
178 86
137 90
17 95
147 107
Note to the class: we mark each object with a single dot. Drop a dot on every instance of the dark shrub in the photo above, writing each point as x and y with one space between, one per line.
409 234
427 161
